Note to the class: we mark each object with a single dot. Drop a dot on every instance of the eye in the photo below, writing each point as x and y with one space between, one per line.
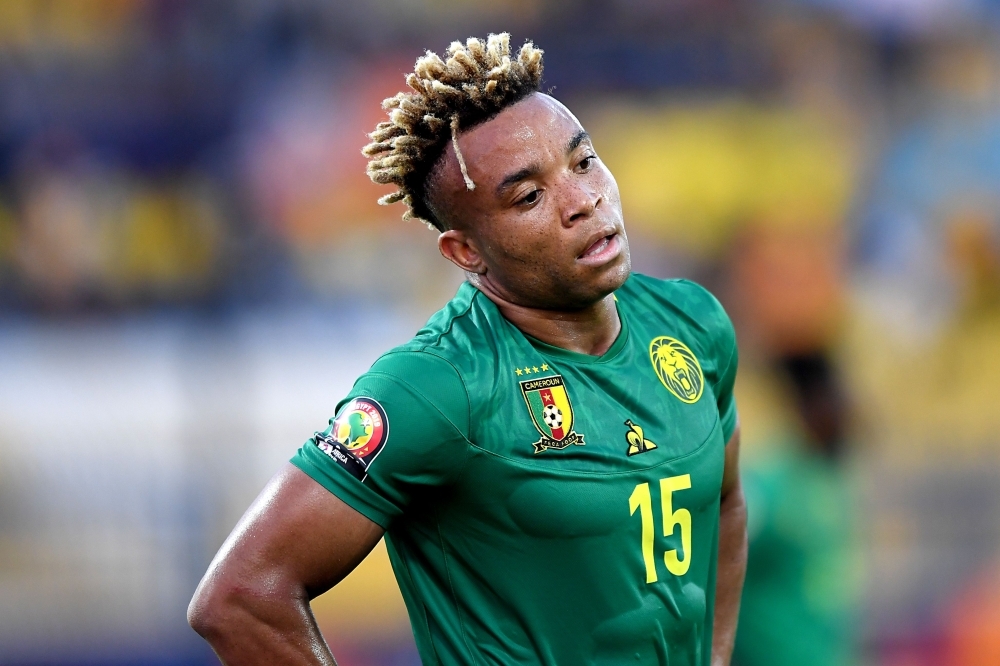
587 162
531 197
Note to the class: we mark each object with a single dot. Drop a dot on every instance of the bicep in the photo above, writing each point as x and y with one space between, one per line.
296 533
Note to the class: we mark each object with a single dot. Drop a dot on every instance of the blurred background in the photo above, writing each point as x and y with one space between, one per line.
193 271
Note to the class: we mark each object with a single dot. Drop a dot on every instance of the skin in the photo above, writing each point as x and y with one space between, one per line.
542 199
732 567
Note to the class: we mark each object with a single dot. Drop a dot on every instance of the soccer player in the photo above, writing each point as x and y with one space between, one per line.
552 459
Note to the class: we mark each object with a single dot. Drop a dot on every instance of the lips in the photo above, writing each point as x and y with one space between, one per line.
597 246
601 249
596 239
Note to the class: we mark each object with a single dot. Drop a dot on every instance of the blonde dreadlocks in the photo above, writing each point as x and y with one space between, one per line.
475 83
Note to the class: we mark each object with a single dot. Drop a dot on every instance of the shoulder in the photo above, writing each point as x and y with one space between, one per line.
428 380
467 323
690 313
682 299
679 292
440 362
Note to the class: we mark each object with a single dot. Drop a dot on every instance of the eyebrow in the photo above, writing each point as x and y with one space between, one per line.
534 169
517 177
577 139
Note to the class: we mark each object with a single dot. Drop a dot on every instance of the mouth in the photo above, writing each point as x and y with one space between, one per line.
602 249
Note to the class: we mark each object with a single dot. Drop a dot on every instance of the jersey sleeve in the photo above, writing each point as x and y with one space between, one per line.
726 361
721 348
400 432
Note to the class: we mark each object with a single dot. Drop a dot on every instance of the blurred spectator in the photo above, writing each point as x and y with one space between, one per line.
801 598
973 628
939 176
93 235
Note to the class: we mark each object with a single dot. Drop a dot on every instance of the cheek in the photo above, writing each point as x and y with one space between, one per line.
610 186
523 239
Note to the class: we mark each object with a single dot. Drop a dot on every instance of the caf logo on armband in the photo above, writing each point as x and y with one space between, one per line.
356 436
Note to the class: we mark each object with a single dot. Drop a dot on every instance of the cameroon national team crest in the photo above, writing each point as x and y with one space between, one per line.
551 412
677 368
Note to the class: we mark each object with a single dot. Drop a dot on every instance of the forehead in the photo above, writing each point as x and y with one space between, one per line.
523 133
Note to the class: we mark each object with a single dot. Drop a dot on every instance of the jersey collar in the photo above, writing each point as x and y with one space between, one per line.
577 357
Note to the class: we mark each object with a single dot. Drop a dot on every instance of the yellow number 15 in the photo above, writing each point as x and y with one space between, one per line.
642 500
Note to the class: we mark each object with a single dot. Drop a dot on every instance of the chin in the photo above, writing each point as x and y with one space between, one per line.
585 292
615 274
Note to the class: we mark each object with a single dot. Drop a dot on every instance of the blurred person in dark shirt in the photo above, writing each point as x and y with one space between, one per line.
800 600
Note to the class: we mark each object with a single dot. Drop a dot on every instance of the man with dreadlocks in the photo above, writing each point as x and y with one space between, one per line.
552 459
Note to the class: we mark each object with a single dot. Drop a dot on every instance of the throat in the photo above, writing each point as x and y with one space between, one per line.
591 330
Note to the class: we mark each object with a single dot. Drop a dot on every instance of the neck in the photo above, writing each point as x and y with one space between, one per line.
591 330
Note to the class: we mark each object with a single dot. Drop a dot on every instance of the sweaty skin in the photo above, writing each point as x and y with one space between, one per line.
542 236
542 200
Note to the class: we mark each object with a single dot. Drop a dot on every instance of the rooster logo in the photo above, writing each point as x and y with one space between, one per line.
637 442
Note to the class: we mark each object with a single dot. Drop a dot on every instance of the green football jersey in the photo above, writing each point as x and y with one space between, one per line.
543 506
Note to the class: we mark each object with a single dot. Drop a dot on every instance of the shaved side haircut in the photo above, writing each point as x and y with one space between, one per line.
477 81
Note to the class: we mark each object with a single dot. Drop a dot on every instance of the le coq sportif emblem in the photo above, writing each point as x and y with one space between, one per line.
551 412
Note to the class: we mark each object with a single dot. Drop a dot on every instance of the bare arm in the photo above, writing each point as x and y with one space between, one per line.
732 556
296 541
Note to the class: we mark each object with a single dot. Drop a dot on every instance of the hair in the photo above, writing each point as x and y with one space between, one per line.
477 81
819 397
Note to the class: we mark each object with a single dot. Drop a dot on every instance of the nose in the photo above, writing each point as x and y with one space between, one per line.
581 203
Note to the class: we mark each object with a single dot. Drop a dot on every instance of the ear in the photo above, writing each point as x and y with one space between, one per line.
459 249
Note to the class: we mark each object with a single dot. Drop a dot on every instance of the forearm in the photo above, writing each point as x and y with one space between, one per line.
731 571
295 541
251 628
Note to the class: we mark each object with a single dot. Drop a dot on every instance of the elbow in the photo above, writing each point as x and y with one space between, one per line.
211 608
202 612
224 607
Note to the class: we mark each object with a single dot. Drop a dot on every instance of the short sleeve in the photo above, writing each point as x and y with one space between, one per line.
400 432
720 347
727 358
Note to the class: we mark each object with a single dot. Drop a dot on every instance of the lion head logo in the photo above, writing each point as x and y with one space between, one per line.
677 368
